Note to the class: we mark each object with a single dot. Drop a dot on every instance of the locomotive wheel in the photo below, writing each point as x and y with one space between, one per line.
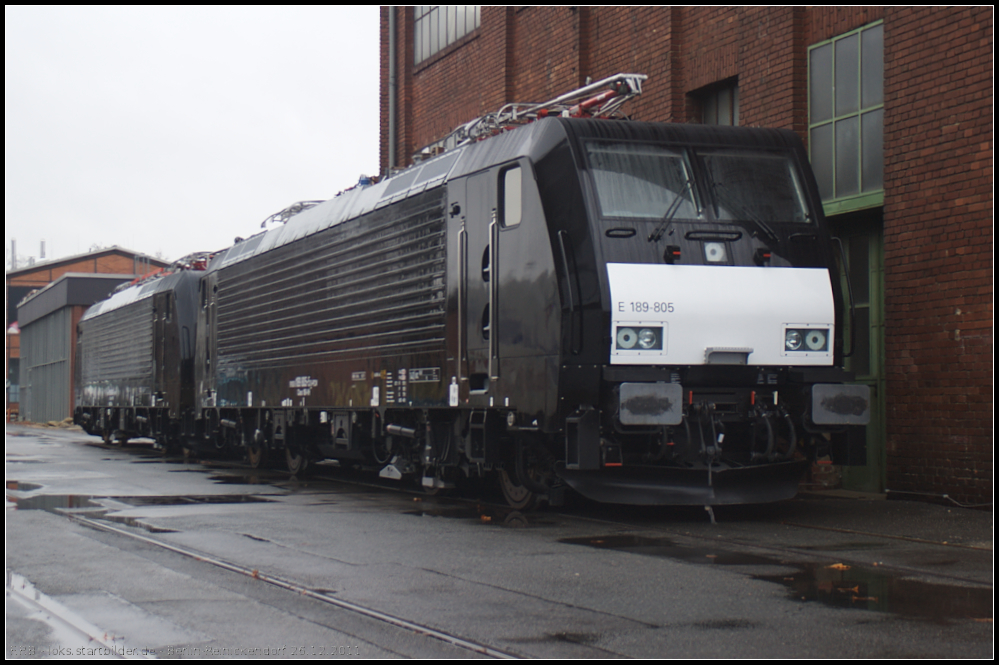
255 455
517 497
381 450
297 462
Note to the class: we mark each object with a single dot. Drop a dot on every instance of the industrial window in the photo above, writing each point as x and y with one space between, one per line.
720 105
437 26
846 119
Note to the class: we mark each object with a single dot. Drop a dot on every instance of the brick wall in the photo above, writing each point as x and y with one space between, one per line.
938 166
938 250
110 263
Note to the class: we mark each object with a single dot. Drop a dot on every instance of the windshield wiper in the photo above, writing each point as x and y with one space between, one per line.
667 220
761 228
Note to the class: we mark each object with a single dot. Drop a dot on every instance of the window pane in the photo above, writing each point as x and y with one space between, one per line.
822 159
820 83
511 197
847 71
432 23
725 107
711 110
442 20
635 180
847 157
459 21
754 187
872 128
426 37
873 66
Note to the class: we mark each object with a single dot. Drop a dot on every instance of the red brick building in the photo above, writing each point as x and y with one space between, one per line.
20 282
895 105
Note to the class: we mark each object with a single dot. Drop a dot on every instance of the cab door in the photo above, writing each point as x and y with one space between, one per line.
472 199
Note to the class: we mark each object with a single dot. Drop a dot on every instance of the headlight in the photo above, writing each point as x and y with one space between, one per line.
626 338
714 252
815 340
806 339
648 339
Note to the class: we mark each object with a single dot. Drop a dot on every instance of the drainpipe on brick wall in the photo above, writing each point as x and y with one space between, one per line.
392 90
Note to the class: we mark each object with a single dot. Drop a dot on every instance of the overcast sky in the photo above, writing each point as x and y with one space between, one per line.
173 130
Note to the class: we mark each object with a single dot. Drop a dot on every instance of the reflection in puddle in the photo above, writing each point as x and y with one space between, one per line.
20 486
836 585
134 522
666 548
856 587
55 502
247 479
52 502
842 547
485 515
189 499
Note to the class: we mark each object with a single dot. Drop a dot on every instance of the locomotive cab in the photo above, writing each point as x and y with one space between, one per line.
701 358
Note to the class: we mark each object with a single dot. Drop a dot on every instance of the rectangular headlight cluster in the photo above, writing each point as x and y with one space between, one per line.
808 340
638 338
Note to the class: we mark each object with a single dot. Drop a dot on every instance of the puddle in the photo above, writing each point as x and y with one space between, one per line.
834 584
21 487
724 624
573 638
842 547
53 502
867 589
664 547
189 499
491 515
240 479
133 522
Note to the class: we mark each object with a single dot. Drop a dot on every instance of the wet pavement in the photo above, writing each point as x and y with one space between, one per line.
824 575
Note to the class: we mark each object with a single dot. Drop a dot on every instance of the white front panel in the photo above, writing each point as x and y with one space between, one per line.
739 312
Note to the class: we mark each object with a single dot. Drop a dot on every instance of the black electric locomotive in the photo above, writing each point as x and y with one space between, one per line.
135 359
647 313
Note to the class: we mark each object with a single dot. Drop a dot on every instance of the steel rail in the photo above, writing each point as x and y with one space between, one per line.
289 585
56 614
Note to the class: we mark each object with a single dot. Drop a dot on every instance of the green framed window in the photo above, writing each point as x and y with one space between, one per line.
846 118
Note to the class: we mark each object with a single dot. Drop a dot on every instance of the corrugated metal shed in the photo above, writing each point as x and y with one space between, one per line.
48 321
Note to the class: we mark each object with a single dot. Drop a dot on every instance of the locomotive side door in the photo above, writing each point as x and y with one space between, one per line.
476 283
507 297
